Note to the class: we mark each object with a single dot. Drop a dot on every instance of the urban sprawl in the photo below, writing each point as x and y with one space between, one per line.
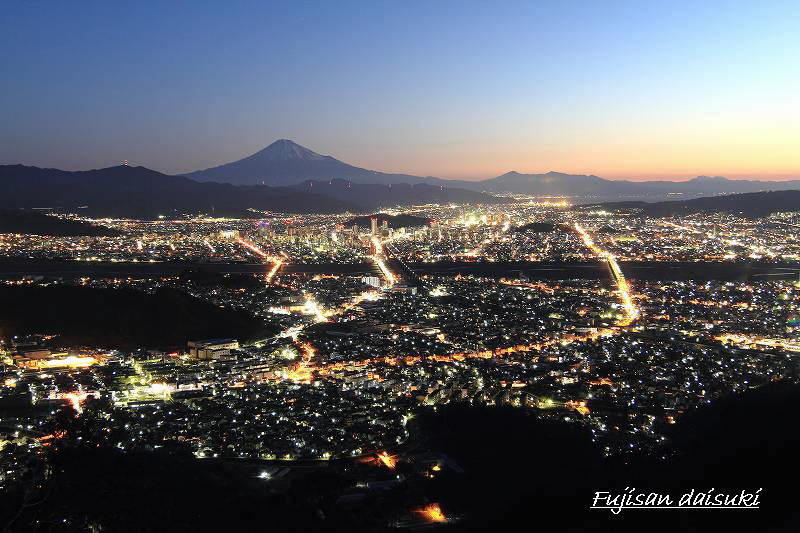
536 304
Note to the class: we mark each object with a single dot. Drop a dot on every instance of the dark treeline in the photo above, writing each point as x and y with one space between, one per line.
120 318
34 223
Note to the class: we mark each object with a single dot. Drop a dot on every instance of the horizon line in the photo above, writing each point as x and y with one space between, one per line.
680 179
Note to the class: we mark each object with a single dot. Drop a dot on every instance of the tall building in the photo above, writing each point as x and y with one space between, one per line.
374 225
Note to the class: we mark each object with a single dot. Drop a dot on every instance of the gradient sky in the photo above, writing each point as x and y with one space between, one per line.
453 89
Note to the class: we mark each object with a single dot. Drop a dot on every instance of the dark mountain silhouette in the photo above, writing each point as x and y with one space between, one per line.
553 184
560 184
373 196
138 192
285 162
281 176
34 223
749 205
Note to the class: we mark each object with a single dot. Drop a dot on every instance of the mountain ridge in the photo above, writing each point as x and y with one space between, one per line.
286 168
138 192
285 162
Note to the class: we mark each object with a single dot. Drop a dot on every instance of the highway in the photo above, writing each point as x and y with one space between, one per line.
623 289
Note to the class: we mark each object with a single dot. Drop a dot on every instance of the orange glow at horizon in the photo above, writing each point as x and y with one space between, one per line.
738 145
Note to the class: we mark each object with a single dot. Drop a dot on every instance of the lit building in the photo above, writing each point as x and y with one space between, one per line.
373 281
229 234
212 348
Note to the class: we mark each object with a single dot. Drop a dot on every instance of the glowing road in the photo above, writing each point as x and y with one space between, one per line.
623 289
390 278
277 262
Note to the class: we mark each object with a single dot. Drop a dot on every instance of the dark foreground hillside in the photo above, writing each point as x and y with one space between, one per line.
519 471
33 223
120 318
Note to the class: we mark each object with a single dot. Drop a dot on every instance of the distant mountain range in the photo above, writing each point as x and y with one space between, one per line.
285 162
287 177
138 192
588 186
750 205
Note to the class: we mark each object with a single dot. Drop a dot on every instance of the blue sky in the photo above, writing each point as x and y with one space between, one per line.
454 89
